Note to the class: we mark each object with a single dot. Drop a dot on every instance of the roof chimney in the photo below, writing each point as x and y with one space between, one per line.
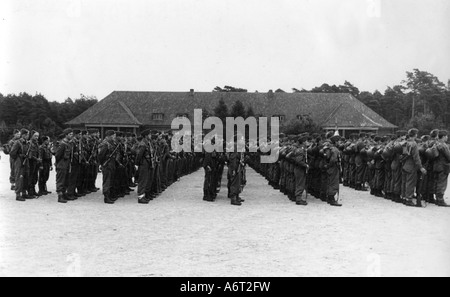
270 94
191 92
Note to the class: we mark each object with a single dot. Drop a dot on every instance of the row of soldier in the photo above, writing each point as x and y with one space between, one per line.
307 164
80 155
214 163
400 167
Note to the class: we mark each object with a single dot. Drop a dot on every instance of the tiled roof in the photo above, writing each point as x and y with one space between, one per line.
136 108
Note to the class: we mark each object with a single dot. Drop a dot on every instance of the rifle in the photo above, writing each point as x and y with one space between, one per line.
71 158
111 155
92 152
28 152
306 177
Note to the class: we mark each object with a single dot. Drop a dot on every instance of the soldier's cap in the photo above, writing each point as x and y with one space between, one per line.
372 135
401 133
84 132
16 131
119 134
76 131
34 132
329 134
155 136
377 138
300 139
434 133
412 132
92 131
155 132
291 137
45 138
425 138
281 135
110 133
362 135
326 145
386 138
61 136
442 133
145 132
335 138
67 131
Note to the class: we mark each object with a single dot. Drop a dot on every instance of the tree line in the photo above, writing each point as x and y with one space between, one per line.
421 101
37 113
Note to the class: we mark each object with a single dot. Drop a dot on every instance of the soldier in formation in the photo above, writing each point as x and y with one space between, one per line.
307 164
400 167
80 155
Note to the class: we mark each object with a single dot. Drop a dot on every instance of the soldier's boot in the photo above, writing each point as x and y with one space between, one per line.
142 199
19 197
61 198
107 199
234 201
149 196
300 201
13 187
441 202
33 192
332 201
431 199
408 202
70 198
41 190
240 199
45 189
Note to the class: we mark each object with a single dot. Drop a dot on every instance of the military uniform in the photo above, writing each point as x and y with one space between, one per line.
144 161
411 164
332 164
19 153
107 157
44 171
298 158
441 167
63 156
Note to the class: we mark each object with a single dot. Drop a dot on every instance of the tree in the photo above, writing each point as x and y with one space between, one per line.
238 110
349 88
229 89
250 112
300 125
221 110
424 88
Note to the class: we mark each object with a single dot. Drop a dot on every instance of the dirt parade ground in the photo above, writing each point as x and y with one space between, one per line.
179 234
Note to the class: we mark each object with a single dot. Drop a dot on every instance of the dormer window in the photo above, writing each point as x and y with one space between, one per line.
182 115
280 117
157 116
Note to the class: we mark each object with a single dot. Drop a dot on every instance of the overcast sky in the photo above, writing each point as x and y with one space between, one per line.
66 47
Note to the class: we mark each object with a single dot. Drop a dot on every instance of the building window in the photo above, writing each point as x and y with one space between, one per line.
281 118
182 115
157 116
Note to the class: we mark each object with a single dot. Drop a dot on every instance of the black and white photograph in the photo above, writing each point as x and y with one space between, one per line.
216 140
